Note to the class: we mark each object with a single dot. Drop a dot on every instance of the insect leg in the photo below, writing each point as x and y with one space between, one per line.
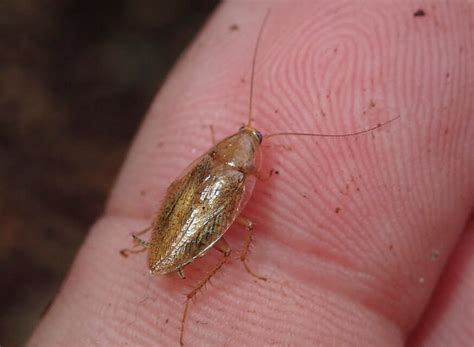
180 273
221 246
247 223
262 178
213 135
125 252
141 242
143 231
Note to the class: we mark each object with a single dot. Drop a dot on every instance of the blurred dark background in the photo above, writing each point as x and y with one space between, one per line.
76 78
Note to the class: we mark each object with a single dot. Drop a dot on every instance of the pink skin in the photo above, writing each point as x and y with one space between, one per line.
353 234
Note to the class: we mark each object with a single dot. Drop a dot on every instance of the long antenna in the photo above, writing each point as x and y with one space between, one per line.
253 66
334 135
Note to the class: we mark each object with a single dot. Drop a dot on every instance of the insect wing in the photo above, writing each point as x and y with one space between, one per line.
198 208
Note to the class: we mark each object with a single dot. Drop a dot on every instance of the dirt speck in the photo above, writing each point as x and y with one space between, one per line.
372 103
142 192
419 13
337 210
167 320
234 27
434 254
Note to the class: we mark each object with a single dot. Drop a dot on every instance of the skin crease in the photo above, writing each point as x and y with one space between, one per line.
353 234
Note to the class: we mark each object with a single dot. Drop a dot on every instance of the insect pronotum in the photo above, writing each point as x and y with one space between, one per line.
201 204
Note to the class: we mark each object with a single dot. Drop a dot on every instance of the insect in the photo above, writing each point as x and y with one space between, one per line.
207 199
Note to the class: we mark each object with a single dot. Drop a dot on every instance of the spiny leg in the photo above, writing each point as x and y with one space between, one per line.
137 241
126 251
247 223
223 247
180 273
147 229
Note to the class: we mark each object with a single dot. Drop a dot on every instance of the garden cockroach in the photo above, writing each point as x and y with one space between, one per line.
208 198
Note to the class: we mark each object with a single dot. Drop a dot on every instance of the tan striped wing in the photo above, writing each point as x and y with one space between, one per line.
198 208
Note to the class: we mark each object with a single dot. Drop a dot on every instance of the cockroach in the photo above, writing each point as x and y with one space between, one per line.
201 205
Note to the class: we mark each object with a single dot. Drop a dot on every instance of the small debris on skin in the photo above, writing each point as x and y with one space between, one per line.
419 13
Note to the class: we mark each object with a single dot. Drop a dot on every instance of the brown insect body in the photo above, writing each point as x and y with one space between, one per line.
203 203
